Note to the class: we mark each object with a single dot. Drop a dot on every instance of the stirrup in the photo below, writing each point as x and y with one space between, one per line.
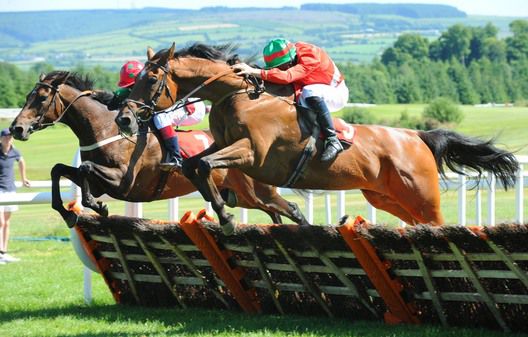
173 164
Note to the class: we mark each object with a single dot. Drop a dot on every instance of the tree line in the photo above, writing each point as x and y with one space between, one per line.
468 65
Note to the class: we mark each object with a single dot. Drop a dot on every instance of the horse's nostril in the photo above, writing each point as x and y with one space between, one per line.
17 130
123 121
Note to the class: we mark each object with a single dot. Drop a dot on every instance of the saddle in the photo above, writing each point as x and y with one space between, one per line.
308 122
193 142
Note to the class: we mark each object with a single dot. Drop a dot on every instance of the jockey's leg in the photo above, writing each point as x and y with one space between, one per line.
172 158
332 145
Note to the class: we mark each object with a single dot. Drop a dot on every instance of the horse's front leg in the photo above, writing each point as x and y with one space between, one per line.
237 155
72 173
190 170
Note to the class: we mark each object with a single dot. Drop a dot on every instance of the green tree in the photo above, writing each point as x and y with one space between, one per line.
466 92
414 45
517 45
406 88
478 40
452 44
407 47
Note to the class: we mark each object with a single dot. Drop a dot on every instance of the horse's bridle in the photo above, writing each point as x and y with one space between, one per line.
156 97
38 125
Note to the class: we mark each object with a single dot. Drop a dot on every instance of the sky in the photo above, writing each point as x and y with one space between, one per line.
517 8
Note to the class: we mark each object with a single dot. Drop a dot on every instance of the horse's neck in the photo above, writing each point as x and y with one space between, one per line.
89 120
216 90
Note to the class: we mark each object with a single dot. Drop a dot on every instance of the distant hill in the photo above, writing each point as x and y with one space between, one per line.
350 33
405 10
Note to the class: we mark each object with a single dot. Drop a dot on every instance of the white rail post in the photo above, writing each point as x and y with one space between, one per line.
371 213
174 207
134 209
87 273
328 207
209 207
340 205
462 199
492 181
243 215
519 195
478 206
308 206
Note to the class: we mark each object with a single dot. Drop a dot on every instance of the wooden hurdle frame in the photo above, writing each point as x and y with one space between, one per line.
450 275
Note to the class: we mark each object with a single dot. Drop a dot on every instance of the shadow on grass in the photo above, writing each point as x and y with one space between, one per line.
143 320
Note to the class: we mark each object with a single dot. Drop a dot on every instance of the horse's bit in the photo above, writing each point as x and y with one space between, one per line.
56 94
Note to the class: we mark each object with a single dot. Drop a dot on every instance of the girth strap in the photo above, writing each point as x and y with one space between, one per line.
306 155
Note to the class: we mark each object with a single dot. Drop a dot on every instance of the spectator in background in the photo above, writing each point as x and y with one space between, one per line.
8 155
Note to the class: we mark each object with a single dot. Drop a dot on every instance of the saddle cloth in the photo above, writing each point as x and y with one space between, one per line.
345 132
193 142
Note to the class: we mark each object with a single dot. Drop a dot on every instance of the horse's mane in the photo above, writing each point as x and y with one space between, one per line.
225 52
72 79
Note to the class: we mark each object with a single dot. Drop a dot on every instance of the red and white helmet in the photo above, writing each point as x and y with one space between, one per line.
129 71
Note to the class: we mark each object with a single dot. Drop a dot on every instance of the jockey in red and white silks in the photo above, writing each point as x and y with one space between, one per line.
188 115
314 74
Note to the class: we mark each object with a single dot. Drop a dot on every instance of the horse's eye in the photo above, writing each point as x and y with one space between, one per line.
42 98
152 80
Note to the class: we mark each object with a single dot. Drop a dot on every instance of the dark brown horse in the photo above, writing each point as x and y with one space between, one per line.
396 169
124 168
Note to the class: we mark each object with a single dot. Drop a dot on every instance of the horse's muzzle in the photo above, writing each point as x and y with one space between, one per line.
127 124
20 132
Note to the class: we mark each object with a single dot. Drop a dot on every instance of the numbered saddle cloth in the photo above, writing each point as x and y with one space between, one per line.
193 142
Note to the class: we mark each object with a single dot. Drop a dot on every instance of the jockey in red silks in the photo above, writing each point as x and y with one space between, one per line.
164 120
317 82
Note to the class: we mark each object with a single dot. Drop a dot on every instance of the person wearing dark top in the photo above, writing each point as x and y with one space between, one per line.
8 155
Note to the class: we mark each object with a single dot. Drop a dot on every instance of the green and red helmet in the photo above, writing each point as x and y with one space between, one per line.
128 73
277 52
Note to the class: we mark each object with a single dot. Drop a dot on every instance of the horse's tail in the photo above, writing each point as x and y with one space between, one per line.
458 151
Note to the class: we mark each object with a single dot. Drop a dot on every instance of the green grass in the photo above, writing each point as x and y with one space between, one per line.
42 294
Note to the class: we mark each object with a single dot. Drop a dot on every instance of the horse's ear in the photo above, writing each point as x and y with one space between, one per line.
42 77
150 53
171 51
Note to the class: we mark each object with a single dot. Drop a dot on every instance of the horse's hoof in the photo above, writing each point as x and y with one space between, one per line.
228 225
228 229
71 219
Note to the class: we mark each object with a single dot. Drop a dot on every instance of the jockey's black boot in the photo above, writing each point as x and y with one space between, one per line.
332 145
173 158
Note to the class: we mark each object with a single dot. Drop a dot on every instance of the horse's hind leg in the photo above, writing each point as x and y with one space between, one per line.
86 169
418 194
385 203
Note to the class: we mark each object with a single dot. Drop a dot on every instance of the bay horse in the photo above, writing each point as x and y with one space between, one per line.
397 170
124 168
